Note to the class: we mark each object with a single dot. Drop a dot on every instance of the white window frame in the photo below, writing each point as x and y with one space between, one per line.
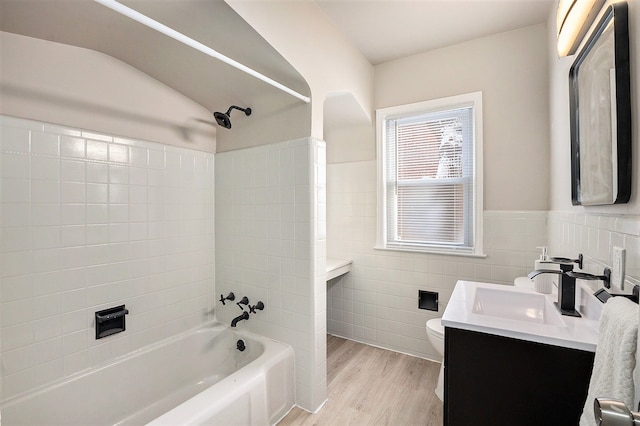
470 99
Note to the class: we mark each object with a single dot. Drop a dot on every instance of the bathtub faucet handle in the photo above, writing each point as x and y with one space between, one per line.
259 306
231 297
243 301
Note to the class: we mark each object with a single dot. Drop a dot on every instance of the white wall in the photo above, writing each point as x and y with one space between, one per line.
305 37
92 213
560 133
511 71
377 302
266 125
593 230
91 221
270 246
79 90
351 143
62 84
594 236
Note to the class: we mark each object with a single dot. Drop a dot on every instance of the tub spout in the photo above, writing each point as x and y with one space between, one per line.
236 320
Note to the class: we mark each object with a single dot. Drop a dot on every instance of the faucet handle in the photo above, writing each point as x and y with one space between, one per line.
243 301
231 297
566 262
259 306
605 277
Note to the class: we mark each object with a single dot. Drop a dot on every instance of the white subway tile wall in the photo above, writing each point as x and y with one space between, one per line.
377 302
319 308
267 246
595 236
90 221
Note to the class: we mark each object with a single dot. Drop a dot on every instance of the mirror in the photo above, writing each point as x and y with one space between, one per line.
600 105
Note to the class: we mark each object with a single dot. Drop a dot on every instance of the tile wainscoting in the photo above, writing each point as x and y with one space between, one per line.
595 235
377 302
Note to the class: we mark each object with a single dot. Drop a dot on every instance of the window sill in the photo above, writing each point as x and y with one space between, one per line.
432 251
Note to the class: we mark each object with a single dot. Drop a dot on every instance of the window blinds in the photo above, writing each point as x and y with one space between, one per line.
429 180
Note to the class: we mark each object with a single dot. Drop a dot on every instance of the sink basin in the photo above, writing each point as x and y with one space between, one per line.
518 306
518 313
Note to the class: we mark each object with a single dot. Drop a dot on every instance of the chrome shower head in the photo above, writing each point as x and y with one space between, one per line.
224 118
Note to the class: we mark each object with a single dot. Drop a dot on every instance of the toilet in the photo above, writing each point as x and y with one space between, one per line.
435 333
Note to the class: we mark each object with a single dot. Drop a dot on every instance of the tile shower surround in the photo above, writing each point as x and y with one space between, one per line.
90 221
376 302
270 246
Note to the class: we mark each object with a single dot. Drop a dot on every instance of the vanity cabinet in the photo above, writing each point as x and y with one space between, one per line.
495 380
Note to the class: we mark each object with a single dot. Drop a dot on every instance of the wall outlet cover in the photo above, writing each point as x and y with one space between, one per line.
617 269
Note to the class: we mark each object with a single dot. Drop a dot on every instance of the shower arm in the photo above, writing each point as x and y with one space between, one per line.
247 111
170 32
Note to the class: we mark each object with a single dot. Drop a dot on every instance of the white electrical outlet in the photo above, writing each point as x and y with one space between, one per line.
617 270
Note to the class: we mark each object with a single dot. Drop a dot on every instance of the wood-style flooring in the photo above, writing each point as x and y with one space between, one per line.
373 386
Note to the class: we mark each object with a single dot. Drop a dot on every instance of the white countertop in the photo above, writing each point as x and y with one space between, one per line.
576 333
337 267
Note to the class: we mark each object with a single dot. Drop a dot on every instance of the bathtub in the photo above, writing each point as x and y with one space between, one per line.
198 377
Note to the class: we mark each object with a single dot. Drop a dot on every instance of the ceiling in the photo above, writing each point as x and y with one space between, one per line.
382 30
209 82
385 30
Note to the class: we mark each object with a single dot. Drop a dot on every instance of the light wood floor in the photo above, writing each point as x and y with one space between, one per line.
372 386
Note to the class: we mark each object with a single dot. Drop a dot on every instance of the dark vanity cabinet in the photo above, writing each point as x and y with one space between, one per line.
494 380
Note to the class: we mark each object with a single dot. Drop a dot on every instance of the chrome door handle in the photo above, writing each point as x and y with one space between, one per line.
611 412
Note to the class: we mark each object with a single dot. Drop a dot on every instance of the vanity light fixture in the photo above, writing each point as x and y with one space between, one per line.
170 32
573 21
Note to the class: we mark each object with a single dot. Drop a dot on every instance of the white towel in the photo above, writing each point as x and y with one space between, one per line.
615 359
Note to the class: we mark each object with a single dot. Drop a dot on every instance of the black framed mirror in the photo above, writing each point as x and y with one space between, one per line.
600 103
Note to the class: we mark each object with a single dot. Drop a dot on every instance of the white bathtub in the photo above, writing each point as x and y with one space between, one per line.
195 378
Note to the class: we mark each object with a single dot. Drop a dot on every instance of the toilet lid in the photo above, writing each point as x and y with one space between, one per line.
435 325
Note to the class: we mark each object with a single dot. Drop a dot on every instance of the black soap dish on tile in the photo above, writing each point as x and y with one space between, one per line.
110 321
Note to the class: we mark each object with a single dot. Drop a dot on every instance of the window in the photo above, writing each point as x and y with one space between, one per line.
430 176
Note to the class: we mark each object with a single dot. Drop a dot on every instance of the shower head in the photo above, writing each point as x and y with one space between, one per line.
224 118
